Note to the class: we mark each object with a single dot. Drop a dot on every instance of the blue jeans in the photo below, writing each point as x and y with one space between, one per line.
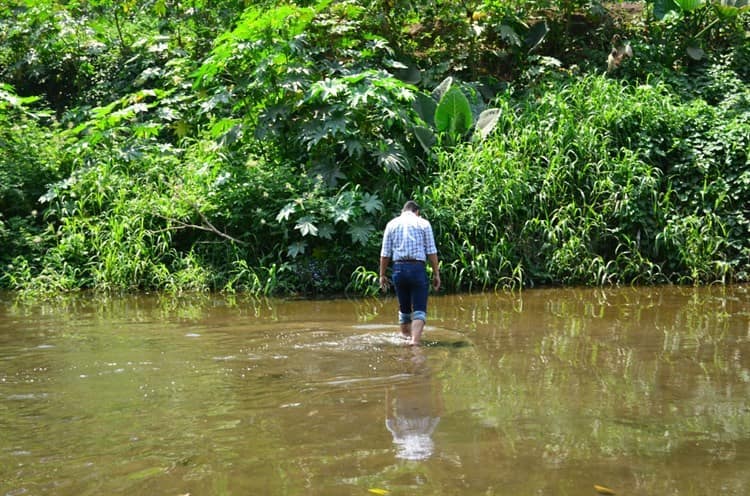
412 285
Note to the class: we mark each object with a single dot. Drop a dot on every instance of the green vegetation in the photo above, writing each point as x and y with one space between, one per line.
262 146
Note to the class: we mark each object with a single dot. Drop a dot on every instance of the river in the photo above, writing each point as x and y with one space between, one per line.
634 391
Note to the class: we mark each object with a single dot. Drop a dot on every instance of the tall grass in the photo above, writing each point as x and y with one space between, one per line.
577 187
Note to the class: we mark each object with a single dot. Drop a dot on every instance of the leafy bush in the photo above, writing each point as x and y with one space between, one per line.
28 162
263 148
573 191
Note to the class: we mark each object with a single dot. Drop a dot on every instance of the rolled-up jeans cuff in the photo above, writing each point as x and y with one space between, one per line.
419 315
404 318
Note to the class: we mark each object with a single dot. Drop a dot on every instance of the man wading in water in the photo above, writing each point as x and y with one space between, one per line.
409 242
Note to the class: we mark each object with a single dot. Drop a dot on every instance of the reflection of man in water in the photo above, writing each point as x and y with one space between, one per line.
413 411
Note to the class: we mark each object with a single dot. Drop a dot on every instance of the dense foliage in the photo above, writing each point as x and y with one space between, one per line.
243 146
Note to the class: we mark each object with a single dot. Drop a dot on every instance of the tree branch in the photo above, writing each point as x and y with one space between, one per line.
205 226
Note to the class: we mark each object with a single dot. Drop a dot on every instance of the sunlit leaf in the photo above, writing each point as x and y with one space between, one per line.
223 126
305 226
509 35
168 114
211 103
342 213
487 121
403 94
158 48
101 112
549 61
148 74
117 116
442 88
160 8
356 78
360 96
395 64
390 157
381 492
285 212
148 130
327 88
729 9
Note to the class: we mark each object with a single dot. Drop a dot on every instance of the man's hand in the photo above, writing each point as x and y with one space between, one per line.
436 282
384 283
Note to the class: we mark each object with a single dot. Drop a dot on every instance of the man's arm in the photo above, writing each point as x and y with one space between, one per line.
384 261
434 263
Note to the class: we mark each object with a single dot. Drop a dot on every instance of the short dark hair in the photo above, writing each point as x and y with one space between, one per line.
411 206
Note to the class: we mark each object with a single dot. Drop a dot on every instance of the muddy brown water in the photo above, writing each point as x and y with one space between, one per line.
551 391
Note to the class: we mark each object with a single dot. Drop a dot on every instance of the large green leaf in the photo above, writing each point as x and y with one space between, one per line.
439 92
663 7
536 34
425 136
425 107
690 5
453 114
407 73
730 9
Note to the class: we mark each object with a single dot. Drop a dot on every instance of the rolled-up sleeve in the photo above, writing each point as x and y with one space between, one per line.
430 248
386 250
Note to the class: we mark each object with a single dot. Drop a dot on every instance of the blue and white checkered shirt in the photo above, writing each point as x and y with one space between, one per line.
408 237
